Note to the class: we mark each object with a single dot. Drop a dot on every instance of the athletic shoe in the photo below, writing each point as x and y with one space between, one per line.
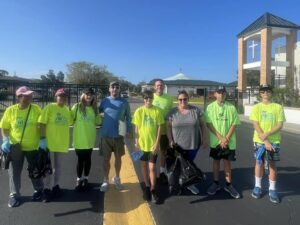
37 195
117 182
163 178
193 189
274 196
79 184
232 191
104 186
212 190
47 195
256 193
57 191
155 198
147 194
85 183
174 191
13 201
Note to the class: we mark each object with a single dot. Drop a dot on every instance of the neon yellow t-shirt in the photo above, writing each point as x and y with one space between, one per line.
84 131
14 120
267 116
57 120
222 118
147 120
165 103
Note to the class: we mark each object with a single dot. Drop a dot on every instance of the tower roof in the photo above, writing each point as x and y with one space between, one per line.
179 76
267 20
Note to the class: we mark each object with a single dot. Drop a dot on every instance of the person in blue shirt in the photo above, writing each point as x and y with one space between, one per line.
116 112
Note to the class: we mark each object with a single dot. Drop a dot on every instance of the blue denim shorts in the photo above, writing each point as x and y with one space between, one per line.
271 156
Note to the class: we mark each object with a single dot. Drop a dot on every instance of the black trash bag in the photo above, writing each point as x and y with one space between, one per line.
182 172
190 173
41 166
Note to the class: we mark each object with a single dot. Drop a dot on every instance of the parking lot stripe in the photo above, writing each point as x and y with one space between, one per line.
126 206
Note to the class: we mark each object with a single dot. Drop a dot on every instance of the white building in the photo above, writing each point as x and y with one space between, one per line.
193 86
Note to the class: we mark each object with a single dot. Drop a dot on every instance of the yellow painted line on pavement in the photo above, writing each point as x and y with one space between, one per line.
126 207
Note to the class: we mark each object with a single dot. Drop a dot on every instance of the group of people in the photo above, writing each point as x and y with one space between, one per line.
158 126
26 125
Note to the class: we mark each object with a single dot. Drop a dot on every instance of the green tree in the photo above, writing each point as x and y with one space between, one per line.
51 78
88 73
3 73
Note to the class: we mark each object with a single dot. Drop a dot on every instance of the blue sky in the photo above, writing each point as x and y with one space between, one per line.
137 39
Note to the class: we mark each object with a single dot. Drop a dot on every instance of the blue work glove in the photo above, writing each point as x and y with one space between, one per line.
136 155
5 145
259 154
43 144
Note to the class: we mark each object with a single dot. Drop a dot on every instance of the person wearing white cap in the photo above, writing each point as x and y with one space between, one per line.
21 137
54 123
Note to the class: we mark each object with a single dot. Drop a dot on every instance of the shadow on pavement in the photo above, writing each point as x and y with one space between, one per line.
91 195
243 180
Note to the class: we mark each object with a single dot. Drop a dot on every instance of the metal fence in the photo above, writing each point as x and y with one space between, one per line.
44 93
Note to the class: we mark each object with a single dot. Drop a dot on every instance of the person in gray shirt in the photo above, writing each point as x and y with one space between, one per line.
186 127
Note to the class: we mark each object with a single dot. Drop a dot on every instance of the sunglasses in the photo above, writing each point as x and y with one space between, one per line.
182 99
146 98
221 92
267 91
115 87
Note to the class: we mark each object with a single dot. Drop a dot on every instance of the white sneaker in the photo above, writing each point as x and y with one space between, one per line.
193 189
117 182
104 186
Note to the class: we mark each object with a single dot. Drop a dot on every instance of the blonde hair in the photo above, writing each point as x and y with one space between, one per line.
82 104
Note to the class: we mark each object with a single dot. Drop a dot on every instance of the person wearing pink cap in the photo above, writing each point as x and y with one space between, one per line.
21 137
54 123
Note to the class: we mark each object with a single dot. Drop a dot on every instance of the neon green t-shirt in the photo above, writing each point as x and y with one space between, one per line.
147 120
14 121
222 118
57 120
267 116
84 131
165 103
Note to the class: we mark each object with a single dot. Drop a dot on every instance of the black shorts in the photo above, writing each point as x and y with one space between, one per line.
149 157
217 153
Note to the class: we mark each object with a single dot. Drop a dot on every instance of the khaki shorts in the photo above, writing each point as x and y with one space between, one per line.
109 145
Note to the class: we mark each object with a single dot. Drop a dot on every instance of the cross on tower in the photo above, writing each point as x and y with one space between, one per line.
253 45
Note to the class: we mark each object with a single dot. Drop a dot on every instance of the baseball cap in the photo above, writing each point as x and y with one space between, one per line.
114 83
23 91
60 92
88 91
265 87
221 89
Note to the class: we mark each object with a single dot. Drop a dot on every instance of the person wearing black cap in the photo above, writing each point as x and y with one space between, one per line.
86 117
267 118
116 123
222 119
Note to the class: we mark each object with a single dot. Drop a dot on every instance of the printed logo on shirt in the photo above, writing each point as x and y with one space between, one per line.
60 120
148 121
266 116
19 122
85 118
221 115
